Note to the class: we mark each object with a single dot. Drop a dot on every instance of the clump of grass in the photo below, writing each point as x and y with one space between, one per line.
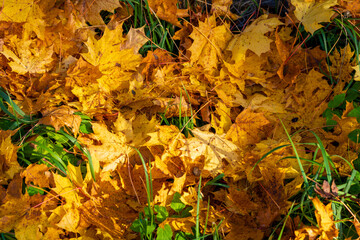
343 197
158 31
184 123
41 143
147 225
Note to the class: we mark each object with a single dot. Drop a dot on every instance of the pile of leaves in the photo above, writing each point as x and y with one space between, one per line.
94 131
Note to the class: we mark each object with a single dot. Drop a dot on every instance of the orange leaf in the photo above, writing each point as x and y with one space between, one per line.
61 117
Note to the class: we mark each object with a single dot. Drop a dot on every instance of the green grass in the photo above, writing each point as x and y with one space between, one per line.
158 31
333 36
53 148
184 123
147 225
344 202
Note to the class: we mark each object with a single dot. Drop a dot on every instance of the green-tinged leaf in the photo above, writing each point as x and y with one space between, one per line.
176 204
34 190
184 213
337 101
355 136
162 213
164 233
328 114
137 226
353 92
330 123
150 228
355 113
182 236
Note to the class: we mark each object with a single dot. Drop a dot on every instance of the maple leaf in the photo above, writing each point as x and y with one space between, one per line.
117 64
166 10
16 10
311 12
38 175
66 216
61 117
220 119
212 150
135 127
222 8
324 218
90 9
253 38
357 73
209 42
8 157
342 57
249 128
14 205
26 57
111 147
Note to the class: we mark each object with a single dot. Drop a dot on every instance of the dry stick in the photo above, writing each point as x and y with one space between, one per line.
296 49
270 196
54 196
132 183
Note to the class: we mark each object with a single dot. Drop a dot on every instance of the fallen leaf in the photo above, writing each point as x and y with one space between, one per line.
312 13
249 128
91 9
62 116
165 10
8 157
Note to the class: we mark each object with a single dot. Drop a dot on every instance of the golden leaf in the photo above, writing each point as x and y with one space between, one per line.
26 57
325 219
165 10
253 38
249 128
311 12
8 157
210 152
91 9
15 10
61 117
209 42
39 175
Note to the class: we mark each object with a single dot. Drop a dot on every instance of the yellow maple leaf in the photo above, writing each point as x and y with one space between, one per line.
212 150
220 119
222 8
249 128
91 9
209 42
61 117
66 216
312 12
166 10
14 205
26 56
357 73
116 58
342 62
38 175
15 10
111 147
253 38
8 157
325 219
